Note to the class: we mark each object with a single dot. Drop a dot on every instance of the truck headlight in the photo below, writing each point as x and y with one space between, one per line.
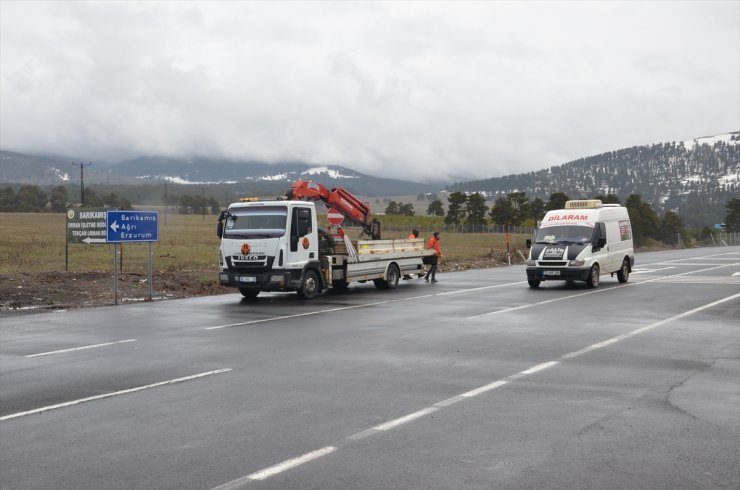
576 263
531 263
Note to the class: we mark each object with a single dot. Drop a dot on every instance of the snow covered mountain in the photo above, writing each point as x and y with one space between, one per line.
696 178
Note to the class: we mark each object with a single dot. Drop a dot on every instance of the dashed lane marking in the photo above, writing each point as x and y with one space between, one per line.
62 351
400 421
115 393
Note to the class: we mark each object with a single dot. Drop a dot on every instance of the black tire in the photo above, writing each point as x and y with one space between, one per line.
623 274
593 277
393 275
249 293
311 286
533 283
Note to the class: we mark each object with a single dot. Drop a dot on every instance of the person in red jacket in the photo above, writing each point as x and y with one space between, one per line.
433 244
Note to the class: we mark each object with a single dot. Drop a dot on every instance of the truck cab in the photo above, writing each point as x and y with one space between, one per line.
270 245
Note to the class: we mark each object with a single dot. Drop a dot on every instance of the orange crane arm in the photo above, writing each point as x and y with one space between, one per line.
340 198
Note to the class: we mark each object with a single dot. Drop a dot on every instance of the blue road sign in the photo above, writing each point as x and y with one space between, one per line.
132 226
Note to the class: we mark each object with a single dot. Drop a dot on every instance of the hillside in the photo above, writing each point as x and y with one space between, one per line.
696 178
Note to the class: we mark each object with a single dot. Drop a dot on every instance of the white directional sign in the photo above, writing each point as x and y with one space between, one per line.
86 225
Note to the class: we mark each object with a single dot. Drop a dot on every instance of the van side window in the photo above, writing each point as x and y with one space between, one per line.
599 233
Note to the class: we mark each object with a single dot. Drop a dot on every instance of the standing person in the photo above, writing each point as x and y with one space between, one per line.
433 244
413 236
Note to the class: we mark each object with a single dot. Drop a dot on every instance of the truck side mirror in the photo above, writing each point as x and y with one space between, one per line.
529 243
220 224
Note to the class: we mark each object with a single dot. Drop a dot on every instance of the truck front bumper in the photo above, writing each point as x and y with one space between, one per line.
277 280
558 273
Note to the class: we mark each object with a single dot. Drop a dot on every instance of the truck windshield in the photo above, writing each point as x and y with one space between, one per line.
256 222
564 234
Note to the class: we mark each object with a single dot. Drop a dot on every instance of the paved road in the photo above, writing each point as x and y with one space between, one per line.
475 382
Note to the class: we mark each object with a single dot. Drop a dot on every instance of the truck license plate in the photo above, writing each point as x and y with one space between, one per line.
551 273
247 279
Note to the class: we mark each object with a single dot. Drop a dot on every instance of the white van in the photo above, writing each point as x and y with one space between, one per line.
582 242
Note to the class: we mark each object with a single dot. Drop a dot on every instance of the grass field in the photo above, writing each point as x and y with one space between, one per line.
31 242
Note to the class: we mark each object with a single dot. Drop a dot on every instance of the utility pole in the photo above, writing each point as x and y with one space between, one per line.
165 202
82 182
203 207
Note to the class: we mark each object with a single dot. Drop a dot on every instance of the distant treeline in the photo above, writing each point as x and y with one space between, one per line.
469 212
465 212
34 199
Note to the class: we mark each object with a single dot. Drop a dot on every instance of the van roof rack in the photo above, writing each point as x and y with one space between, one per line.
262 198
583 204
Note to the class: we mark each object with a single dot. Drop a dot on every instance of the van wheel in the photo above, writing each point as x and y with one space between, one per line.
249 293
310 287
593 277
533 283
623 274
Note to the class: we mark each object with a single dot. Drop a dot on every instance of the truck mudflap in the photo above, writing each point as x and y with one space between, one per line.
558 273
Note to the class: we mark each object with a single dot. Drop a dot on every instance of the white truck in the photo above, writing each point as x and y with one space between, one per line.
275 244
582 242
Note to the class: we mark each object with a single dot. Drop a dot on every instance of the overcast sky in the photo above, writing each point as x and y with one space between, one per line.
416 90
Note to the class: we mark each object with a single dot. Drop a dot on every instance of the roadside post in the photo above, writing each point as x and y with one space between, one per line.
131 226
508 252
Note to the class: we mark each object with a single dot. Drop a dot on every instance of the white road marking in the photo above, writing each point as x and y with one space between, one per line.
61 351
539 367
594 291
278 468
483 389
108 395
648 271
448 293
405 419
292 463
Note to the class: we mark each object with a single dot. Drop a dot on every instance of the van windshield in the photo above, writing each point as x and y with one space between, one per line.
564 234
256 222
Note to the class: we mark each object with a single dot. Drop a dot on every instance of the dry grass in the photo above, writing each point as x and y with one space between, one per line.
32 242
36 243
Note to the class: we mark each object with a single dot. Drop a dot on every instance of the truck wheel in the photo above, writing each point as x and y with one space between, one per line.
533 283
593 277
394 275
249 292
310 288
623 274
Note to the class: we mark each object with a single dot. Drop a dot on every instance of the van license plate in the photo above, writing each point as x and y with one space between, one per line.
247 279
550 273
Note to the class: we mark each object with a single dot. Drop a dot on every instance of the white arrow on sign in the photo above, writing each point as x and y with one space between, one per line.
114 227
89 240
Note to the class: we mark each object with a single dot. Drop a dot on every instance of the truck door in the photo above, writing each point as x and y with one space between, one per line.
303 237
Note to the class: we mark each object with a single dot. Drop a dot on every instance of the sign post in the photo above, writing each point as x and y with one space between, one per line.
132 226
